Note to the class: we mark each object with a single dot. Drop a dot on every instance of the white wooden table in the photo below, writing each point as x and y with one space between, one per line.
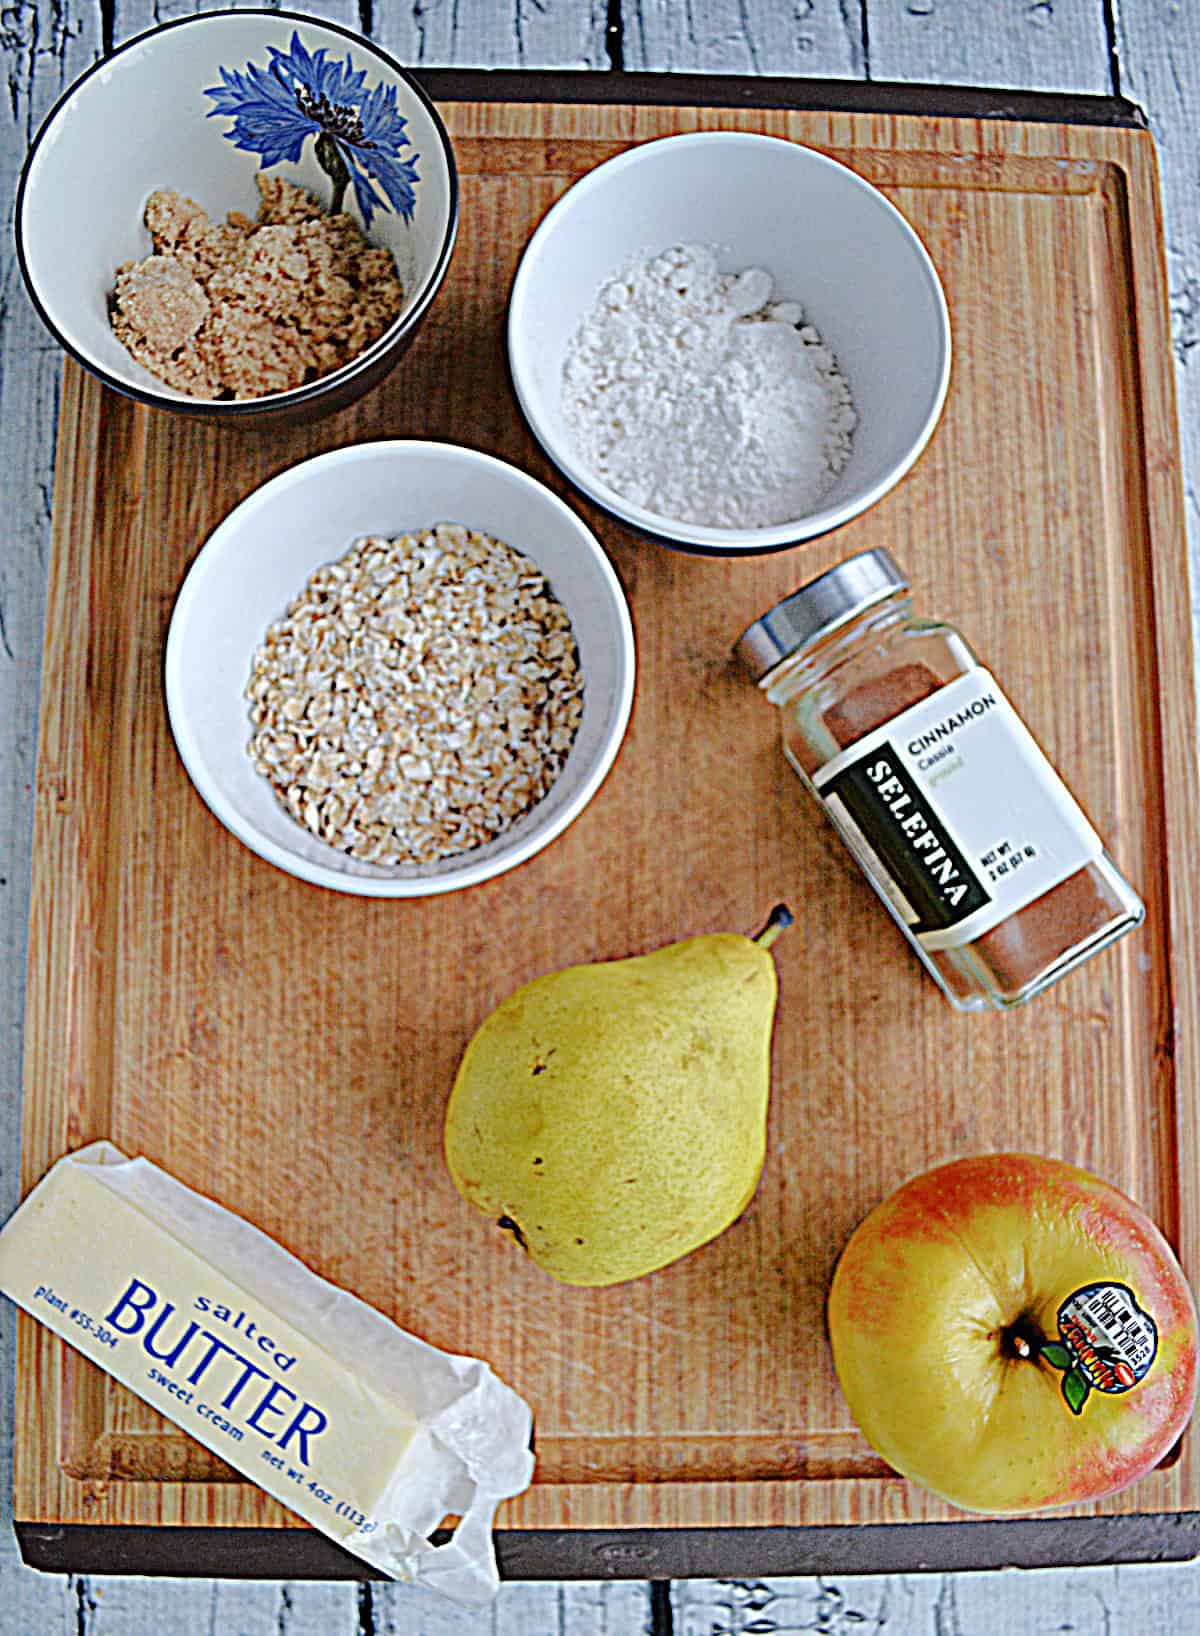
1147 50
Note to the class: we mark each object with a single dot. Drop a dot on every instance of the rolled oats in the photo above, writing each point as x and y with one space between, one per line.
420 695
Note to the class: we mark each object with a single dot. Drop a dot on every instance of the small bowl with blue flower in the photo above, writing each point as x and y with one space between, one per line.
243 216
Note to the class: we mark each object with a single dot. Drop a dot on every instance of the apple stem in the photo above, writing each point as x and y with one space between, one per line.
778 920
1022 1339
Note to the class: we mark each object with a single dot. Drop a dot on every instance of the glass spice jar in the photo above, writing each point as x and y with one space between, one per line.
939 790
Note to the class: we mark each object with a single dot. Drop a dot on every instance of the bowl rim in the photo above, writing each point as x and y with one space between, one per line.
457 875
699 538
297 396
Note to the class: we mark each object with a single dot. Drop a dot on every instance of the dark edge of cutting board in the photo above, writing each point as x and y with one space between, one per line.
807 95
635 1553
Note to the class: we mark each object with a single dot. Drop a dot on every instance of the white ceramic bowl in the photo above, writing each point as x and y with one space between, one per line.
831 242
146 118
259 558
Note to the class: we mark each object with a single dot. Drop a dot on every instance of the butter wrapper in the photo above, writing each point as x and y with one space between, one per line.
362 1429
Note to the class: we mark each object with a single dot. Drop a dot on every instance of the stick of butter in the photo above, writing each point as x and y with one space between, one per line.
368 1433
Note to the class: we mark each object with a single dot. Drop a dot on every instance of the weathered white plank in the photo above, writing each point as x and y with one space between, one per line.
484 34
441 33
108 1606
1032 44
837 1606
602 1610
1158 47
813 38
519 1610
131 17
1037 45
34 1604
1133 1601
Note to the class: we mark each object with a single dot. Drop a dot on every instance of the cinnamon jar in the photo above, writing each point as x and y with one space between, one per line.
953 812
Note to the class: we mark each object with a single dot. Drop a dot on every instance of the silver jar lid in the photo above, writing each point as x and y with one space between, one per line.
817 608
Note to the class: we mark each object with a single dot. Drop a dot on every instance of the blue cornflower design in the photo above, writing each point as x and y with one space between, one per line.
300 94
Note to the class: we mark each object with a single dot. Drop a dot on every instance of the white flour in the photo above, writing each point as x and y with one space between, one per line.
695 395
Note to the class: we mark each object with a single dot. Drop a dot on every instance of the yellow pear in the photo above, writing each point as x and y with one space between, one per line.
612 1117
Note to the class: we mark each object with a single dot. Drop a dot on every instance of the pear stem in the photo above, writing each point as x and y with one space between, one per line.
778 920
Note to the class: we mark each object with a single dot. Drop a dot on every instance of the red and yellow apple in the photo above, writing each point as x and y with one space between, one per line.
1013 1333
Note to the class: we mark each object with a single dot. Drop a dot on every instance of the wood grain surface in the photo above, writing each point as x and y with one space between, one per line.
196 1005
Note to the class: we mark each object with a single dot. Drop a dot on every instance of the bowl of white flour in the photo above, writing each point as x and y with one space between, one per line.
729 341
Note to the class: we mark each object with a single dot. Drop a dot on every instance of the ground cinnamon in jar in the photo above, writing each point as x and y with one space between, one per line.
1000 883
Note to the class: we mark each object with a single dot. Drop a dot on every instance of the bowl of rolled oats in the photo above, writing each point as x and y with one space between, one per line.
399 668
240 215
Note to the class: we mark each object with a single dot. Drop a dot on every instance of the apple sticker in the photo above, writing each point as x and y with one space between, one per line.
1105 1341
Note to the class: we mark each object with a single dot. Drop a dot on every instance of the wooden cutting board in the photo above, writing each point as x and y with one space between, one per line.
289 1050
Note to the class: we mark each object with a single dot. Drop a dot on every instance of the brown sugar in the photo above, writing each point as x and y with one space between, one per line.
246 308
